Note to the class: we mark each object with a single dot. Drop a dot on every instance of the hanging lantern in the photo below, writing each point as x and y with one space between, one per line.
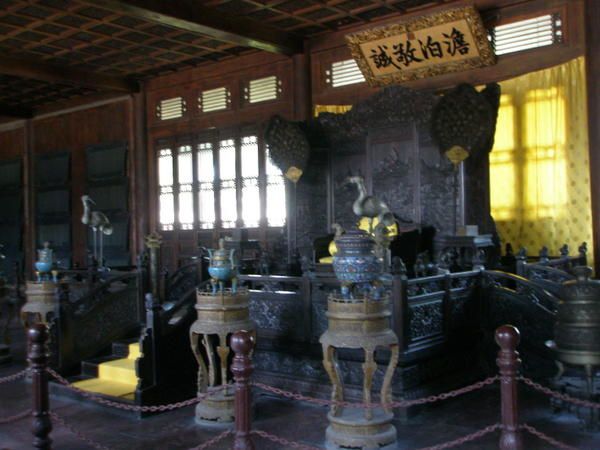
288 147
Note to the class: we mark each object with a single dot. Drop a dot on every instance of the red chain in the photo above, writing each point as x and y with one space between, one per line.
16 417
398 404
462 440
79 436
153 408
14 376
213 441
283 441
546 438
563 397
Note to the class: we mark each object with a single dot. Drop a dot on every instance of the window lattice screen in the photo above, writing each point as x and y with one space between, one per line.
263 89
214 100
343 73
527 34
170 108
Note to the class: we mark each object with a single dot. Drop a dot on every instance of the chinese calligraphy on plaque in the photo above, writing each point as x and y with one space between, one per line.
431 45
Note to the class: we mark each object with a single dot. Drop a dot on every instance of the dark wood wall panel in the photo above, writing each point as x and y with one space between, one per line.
12 149
74 132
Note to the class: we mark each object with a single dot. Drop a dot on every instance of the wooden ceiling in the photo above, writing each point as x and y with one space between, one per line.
53 50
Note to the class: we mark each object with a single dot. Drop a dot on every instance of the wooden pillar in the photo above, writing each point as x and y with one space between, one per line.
28 201
242 343
508 337
592 37
138 172
38 360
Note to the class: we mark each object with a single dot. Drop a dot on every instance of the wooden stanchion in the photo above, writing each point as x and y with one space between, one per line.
242 343
508 337
38 360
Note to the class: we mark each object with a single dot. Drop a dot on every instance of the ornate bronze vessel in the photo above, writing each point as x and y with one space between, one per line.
222 267
577 330
355 263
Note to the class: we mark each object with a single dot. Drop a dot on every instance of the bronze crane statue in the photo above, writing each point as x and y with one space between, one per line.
98 222
369 206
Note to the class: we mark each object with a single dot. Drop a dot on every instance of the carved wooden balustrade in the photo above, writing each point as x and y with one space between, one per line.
428 315
167 369
90 322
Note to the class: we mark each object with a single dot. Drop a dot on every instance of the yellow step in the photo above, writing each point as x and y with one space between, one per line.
111 388
134 351
116 378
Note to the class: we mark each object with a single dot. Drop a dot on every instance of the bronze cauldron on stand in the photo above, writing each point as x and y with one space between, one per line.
577 330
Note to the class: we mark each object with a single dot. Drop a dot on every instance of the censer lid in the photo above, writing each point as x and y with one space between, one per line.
583 287
221 252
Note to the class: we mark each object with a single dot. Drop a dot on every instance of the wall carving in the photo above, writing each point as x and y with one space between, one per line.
425 320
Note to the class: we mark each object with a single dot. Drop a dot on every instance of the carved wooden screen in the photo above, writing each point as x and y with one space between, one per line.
348 158
53 204
393 159
11 214
107 185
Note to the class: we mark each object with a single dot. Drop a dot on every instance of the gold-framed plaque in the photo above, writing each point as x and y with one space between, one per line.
448 41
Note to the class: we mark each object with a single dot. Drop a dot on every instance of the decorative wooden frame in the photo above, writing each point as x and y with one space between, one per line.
365 45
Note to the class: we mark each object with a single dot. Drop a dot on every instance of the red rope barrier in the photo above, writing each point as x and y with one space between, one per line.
546 438
398 404
14 376
76 433
16 417
464 439
153 408
558 395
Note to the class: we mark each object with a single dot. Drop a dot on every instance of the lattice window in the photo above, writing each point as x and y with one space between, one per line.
165 182
526 34
206 186
263 89
250 191
221 182
343 73
217 99
227 175
185 178
170 108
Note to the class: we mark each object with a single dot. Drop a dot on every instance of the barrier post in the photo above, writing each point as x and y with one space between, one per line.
508 337
242 343
38 359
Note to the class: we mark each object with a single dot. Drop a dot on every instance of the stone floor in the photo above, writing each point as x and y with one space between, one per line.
296 421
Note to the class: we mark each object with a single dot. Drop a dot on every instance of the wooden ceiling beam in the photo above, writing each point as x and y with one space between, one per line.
15 112
65 75
191 16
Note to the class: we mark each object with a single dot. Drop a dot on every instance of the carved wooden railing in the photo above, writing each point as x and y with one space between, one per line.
109 311
429 310
526 267
167 369
510 298
425 311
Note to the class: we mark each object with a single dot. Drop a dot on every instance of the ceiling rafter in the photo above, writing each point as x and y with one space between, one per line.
65 75
17 112
189 16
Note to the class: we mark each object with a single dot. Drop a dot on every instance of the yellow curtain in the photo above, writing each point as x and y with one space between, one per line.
539 166
335 109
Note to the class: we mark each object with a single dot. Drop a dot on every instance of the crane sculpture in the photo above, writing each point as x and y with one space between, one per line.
98 222
369 206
